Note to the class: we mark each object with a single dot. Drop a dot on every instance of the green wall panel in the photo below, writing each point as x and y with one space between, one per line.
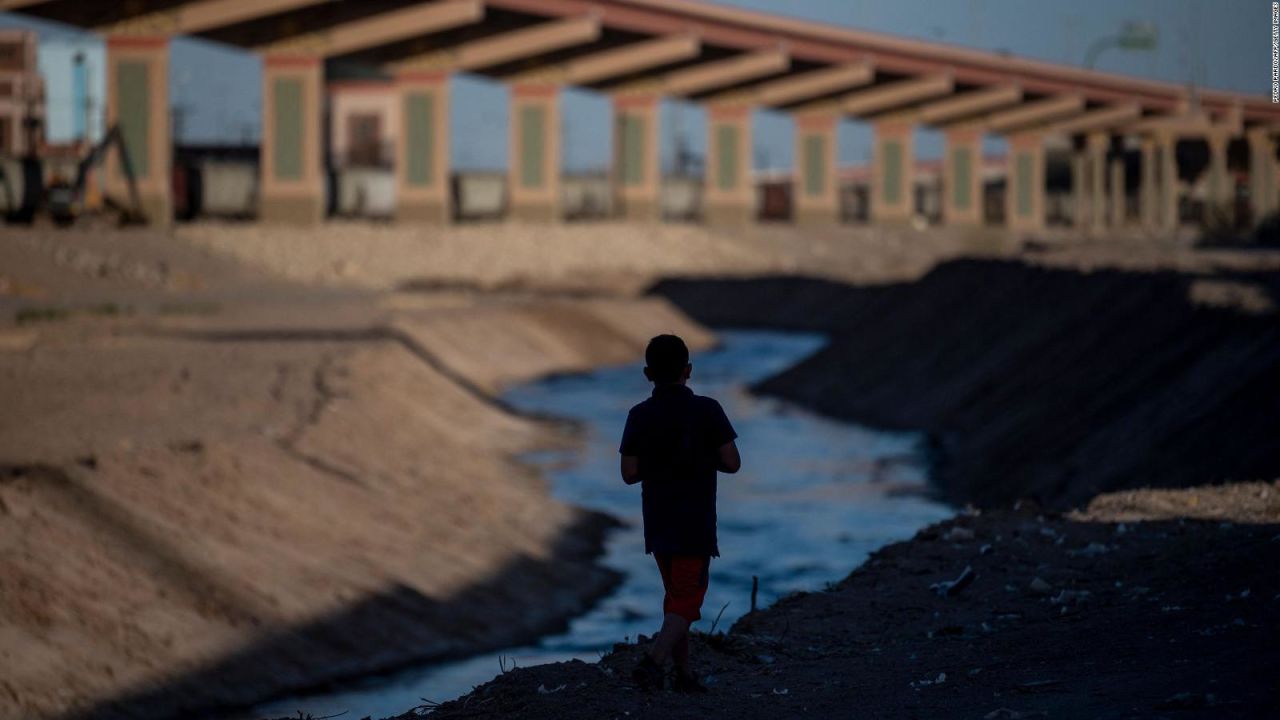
533 151
420 133
815 165
134 96
727 156
287 108
1024 184
961 177
891 171
632 129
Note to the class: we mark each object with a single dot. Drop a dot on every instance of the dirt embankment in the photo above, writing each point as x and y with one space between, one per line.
1034 381
206 512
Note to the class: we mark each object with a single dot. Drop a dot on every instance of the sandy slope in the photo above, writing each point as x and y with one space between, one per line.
203 509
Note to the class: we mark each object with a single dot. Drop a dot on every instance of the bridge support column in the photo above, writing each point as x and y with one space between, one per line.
962 202
817 197
1262 174
892 172
1221 190
533 182
1148 197
292 180
1079 189
637 172
1119 203
729 197
422 158
1024 196
1097 153
1167 146
138 101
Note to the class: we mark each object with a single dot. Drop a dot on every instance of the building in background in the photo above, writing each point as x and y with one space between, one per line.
22 94
74 71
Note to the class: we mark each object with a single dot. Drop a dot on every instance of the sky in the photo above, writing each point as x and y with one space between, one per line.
1222 44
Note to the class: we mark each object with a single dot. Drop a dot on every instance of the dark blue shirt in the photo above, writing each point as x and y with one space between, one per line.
677 435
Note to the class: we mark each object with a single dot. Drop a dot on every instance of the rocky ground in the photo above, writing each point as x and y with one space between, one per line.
1151 605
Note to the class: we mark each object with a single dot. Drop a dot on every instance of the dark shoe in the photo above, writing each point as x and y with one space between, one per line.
687 683
647 674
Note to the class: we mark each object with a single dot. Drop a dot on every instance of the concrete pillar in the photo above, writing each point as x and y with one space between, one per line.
1118 204
817 197
962 202
292 178
1097 144
1079 189
1221 191
533 176
729 197
1167 145
1024 195
422 157
1148 197
637 169
1262 174
138 101
892 172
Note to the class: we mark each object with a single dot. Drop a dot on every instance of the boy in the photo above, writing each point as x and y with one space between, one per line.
673 445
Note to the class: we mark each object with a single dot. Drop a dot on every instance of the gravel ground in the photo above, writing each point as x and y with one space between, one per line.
1063 618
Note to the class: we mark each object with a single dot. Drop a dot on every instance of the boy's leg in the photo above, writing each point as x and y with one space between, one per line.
680 654
685 582
675 629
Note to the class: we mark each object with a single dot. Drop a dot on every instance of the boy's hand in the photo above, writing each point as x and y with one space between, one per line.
630 469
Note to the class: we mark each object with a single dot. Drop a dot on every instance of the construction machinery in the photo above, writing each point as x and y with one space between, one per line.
65 201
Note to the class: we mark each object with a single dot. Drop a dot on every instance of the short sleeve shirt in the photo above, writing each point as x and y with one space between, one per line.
677 435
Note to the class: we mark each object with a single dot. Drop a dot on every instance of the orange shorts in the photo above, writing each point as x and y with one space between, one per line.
685 579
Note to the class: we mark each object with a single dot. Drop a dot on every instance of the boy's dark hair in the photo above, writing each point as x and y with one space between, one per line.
666 356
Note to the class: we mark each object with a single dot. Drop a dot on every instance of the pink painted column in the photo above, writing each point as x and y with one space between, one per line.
533 183
816 193
892 172
422 156
962 202
292 180
1024 191
729 198
637 173
138 102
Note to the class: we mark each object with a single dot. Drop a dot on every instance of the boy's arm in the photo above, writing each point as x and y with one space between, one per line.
630 469
730 460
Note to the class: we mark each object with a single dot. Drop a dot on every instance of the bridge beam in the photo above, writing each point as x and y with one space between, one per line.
894 95
813 84
959 107
723 73
381 29
1034 113
138 101
817 195
196 17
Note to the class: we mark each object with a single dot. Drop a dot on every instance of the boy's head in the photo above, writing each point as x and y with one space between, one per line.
667 360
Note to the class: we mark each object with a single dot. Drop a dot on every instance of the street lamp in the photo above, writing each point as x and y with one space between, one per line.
1134 35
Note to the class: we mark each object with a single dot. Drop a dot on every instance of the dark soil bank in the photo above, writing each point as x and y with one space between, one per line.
1063 619
1035 382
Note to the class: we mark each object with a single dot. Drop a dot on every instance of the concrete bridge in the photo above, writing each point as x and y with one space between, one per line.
639 51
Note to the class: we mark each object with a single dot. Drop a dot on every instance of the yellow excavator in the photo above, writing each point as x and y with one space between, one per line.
65 200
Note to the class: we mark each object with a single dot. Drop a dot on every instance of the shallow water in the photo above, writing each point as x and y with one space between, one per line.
813 499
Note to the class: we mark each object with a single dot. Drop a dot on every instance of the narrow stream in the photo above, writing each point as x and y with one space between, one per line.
813 499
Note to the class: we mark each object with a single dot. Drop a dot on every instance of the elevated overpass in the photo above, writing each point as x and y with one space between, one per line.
639 51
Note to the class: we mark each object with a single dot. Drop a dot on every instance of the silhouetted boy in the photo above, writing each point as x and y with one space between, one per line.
673 445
